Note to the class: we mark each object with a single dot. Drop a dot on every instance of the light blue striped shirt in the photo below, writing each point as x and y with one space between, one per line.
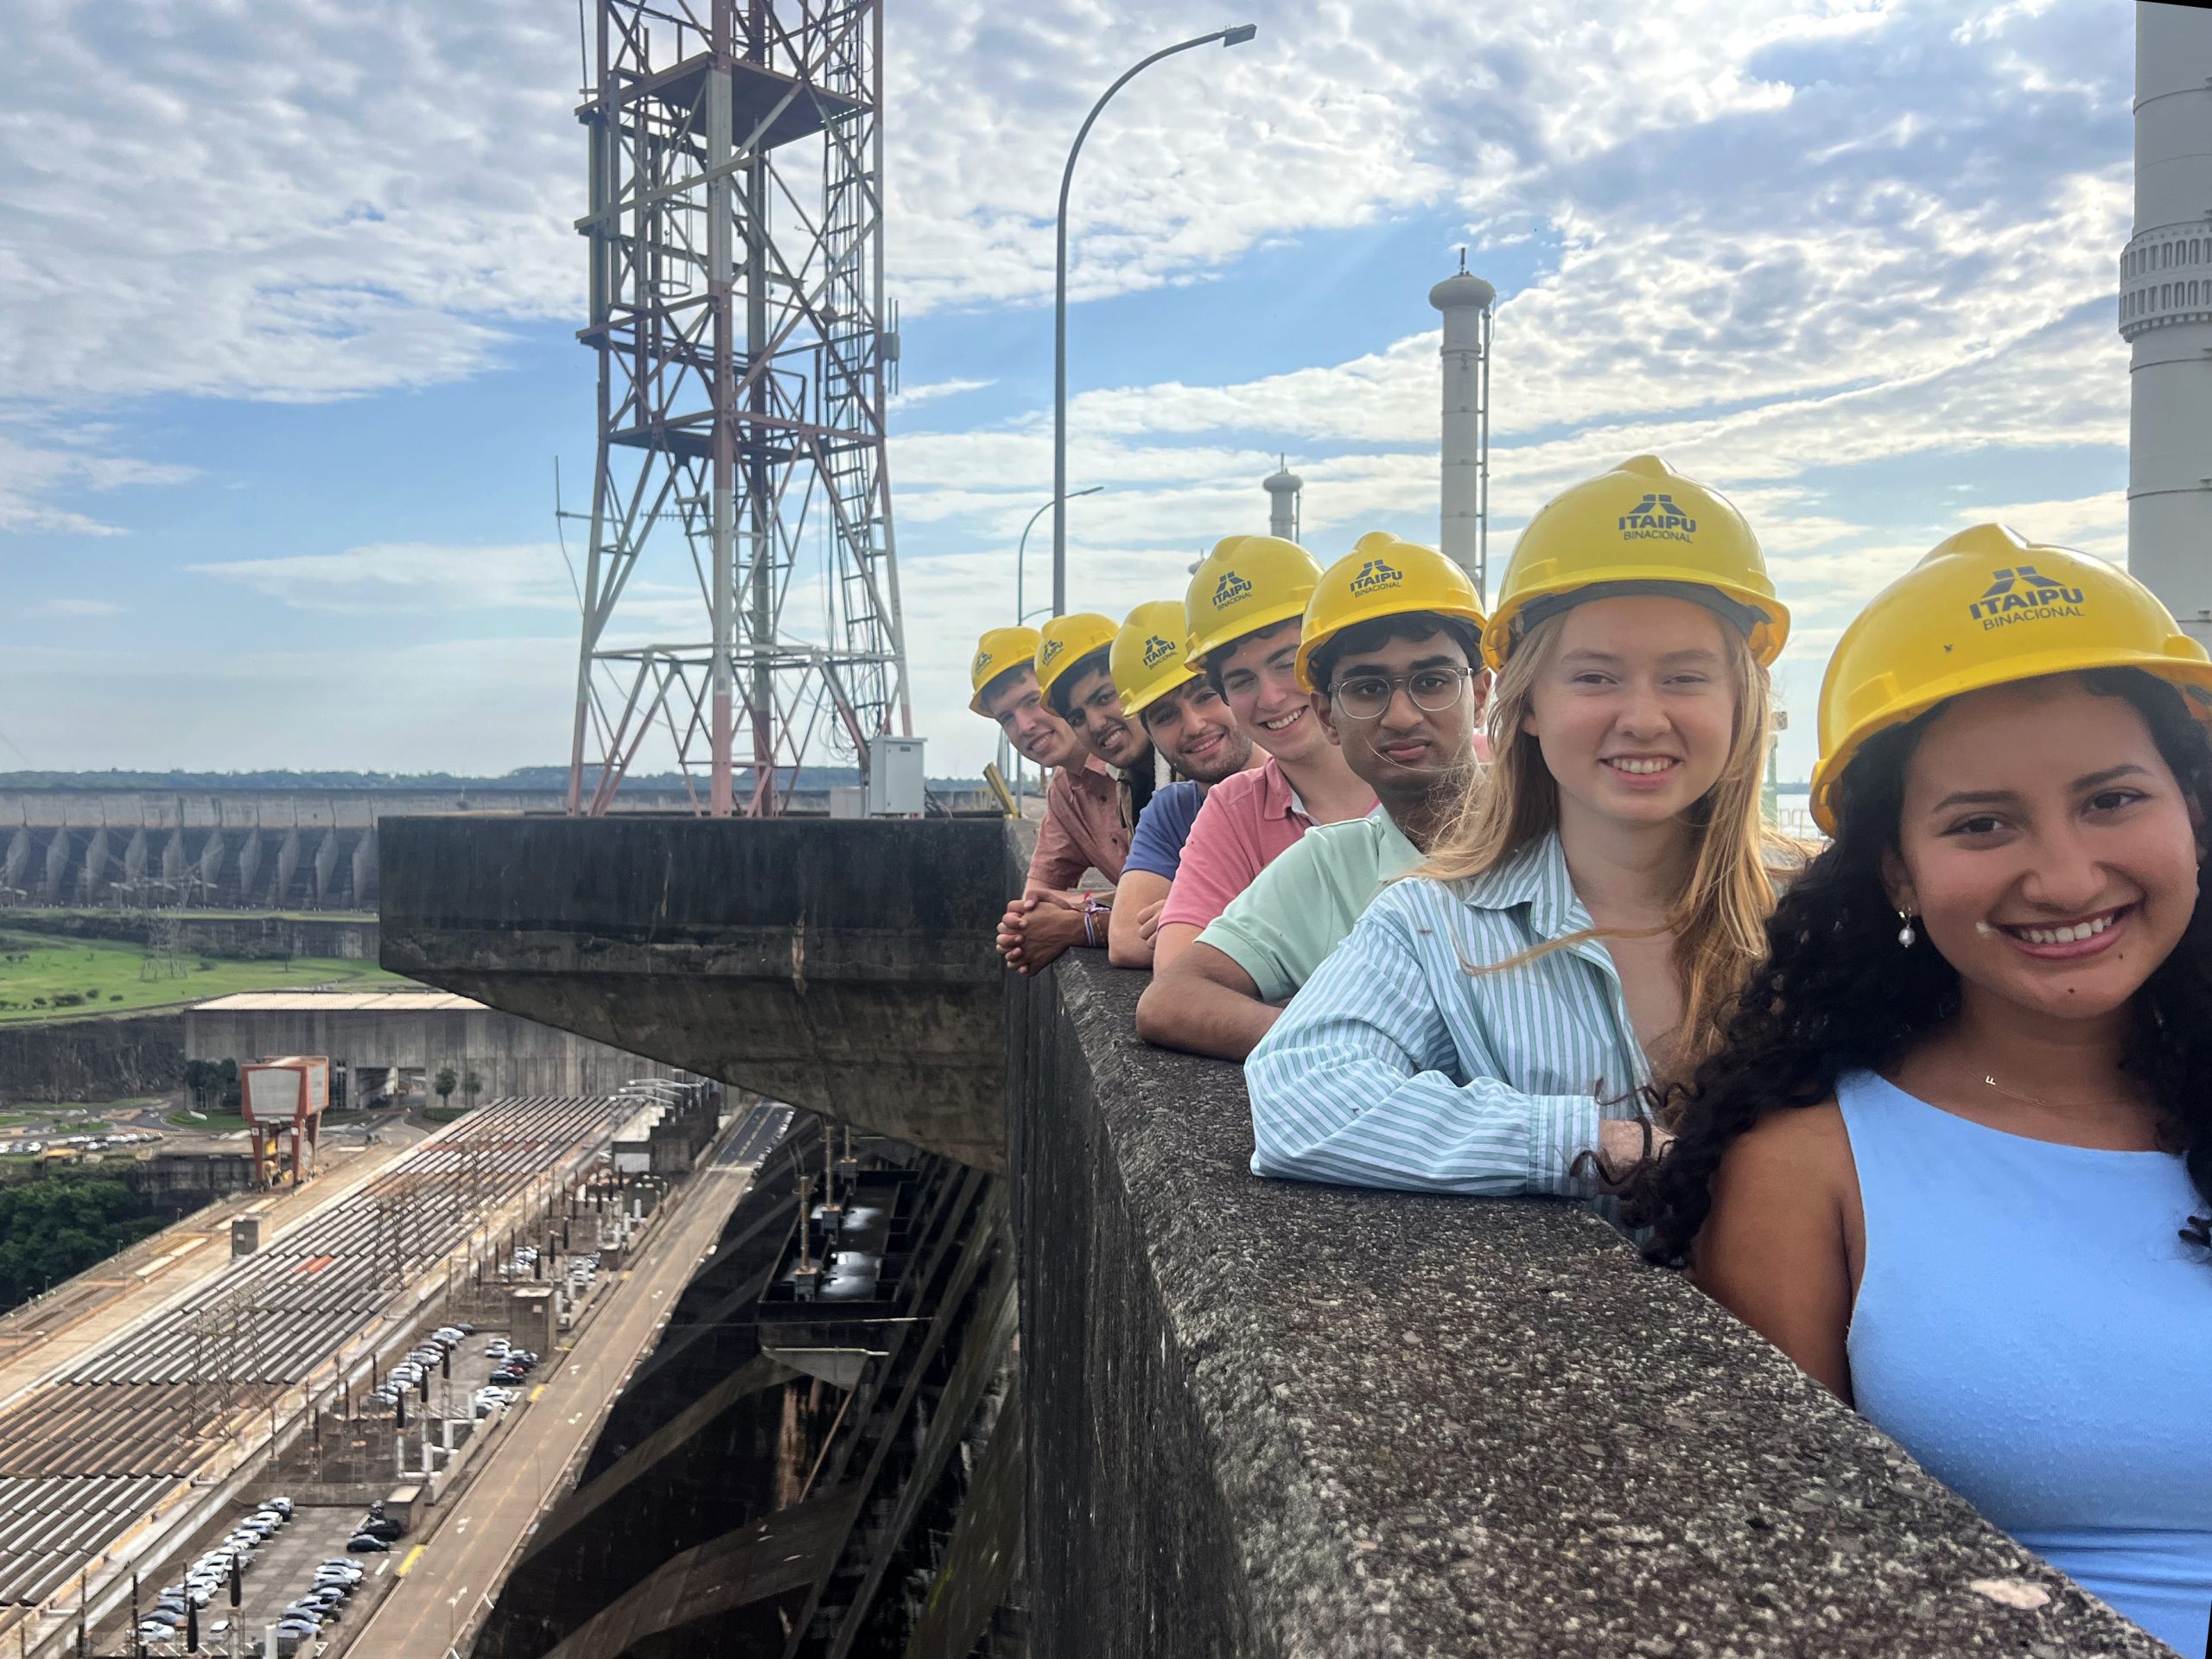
1395 1067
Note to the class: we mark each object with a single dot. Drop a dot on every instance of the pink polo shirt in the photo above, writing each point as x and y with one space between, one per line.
1247 820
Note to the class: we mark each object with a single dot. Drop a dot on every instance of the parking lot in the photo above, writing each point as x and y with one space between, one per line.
283 1568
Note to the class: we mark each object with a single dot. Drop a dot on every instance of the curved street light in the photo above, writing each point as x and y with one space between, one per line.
1233 36
1021 551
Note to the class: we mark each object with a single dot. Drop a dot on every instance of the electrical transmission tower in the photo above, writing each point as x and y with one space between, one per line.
736 289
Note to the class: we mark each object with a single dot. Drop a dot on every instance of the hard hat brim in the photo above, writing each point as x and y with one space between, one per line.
1395 606
2190 678
1133 708
1766 638
1244 628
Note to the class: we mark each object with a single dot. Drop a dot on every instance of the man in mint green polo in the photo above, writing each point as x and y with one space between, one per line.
1391 656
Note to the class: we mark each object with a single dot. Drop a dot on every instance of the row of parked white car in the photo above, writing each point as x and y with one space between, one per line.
426 1355
79 1142
167 1627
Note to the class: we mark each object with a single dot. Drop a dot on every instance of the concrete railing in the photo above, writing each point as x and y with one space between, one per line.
1270 1418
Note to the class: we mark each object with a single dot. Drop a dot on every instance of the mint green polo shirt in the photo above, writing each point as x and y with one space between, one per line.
1301 906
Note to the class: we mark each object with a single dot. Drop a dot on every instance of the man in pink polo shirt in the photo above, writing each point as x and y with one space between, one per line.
1244 607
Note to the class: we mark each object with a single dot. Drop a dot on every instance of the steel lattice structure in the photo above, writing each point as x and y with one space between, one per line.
737 311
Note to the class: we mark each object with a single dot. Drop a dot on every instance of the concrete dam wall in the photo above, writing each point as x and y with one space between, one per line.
329 867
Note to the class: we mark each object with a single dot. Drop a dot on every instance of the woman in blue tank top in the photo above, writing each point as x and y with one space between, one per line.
1955 1157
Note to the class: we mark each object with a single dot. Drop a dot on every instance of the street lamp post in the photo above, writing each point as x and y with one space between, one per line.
1021 556
1021 606
1235 36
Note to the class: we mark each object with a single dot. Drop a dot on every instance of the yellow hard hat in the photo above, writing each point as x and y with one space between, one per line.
999 650
1383 576
1247 583
1989 607
1147 660
1642 522
1065 641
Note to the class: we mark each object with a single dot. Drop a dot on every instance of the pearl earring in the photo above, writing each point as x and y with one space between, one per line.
1905 934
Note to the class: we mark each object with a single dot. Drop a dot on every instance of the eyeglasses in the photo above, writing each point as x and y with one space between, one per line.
1367 696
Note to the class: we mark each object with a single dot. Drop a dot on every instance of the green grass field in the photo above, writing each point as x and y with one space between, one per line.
43 978
213 1123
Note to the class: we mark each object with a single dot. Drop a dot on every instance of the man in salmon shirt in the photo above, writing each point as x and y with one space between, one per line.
1092 805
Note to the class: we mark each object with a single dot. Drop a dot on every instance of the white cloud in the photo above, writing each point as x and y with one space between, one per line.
417 577
42 458
73 608
907 397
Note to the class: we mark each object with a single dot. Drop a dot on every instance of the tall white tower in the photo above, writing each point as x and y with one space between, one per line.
1283 488
1465 302
2165 313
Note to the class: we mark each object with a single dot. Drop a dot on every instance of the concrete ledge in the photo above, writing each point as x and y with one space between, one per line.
840 965
1278 1420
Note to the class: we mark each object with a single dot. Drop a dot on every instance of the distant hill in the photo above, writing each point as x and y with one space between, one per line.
531 779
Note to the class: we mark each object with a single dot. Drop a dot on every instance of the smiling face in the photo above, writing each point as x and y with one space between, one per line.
1194 729
1095 712
1407 751
1259 681
2045 847
1635 706
1037 733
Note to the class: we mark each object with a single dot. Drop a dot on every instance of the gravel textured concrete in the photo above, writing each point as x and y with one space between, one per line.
1272 1419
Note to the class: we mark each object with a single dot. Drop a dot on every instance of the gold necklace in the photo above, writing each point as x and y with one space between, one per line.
2051 1105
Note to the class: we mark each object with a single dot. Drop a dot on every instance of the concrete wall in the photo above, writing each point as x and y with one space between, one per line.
92 1059
1271 1419
512 1055
843 966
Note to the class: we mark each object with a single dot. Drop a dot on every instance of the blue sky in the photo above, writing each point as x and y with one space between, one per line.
289 290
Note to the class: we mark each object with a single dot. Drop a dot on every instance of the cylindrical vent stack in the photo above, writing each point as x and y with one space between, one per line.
2166 313
1283 488
1465 302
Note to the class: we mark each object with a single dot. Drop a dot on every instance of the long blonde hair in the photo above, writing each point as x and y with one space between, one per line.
1718 921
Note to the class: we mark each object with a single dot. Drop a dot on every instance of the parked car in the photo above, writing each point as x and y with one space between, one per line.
363 1543
378 1526
504 1375
282 1505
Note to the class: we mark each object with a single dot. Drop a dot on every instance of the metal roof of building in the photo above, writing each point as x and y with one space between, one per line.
339 1002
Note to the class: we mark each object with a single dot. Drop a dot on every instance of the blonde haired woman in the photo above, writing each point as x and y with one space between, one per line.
1491 1025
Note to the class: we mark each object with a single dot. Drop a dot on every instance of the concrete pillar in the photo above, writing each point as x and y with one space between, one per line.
1283 488
1465 302
2165 313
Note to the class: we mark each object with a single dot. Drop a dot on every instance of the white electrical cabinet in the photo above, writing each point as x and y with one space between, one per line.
895 787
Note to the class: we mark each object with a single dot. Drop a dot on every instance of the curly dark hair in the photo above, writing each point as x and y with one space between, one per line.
1836 993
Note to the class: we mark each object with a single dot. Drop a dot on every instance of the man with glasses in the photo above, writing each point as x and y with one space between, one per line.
1391 654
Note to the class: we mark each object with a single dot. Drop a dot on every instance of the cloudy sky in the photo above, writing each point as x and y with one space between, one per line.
288 291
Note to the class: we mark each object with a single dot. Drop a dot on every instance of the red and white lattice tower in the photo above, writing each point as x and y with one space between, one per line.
740 601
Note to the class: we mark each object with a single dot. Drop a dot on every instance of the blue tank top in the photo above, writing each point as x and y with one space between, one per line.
2032 1329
